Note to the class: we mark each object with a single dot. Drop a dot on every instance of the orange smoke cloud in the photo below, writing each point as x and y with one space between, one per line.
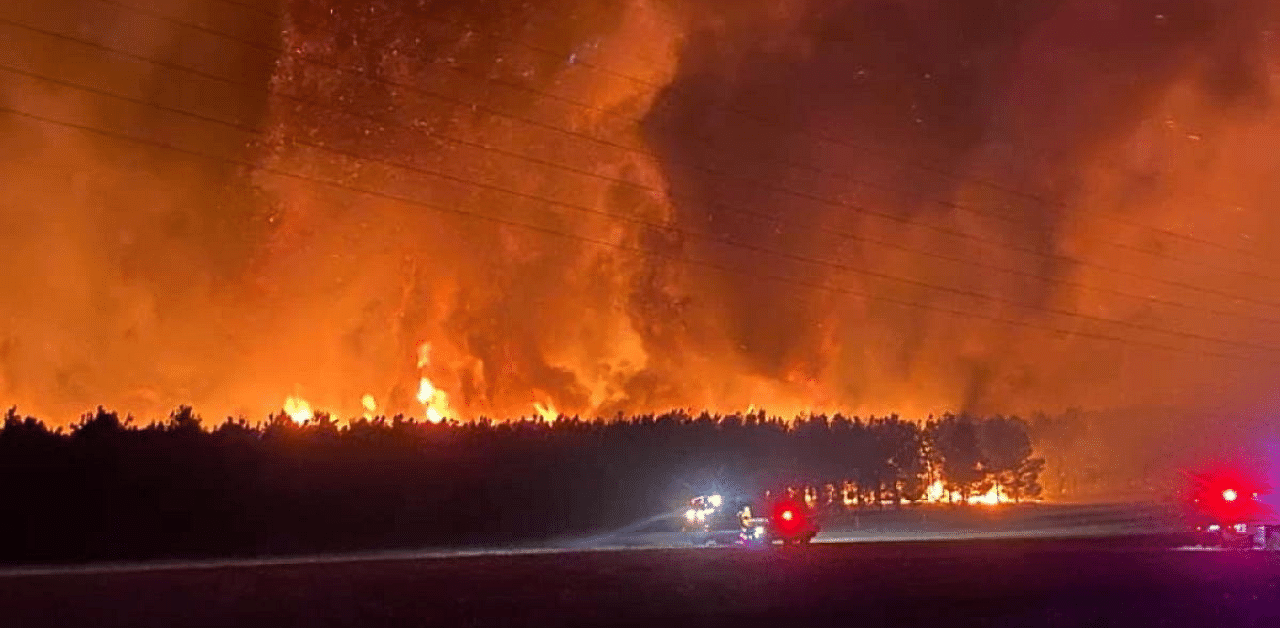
1046 179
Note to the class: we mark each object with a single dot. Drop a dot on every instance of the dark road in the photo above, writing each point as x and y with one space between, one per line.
971 583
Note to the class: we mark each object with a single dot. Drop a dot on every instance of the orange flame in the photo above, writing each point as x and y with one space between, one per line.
298 409
937 493
547 412
435 401
424 355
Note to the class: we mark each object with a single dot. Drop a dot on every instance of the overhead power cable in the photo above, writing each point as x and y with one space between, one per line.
750 273
762 215
880 152
684 232
274 50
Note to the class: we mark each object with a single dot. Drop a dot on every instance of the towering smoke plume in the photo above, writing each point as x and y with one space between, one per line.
908 205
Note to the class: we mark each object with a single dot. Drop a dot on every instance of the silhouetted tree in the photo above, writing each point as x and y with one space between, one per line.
107 488
955 440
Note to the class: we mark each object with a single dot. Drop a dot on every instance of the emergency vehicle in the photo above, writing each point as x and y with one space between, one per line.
715 519
1229 510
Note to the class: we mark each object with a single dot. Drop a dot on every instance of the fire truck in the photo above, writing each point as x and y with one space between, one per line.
1231 510
717 520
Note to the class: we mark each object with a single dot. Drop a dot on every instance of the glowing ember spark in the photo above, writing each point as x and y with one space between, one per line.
370 406
547 412
298 409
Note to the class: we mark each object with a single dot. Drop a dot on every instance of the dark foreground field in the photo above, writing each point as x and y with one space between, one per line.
959 583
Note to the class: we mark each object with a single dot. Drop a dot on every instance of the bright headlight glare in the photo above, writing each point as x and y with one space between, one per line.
691 515
716 500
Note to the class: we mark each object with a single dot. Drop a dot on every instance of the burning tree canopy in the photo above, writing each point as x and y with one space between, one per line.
911 206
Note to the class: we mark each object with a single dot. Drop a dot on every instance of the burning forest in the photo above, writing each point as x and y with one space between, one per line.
487 208
107 488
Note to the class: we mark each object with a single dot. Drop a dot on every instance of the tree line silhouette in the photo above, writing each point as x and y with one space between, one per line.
107 488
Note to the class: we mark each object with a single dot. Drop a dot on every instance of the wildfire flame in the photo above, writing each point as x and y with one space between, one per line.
547 412
937 493
424 355
992 497
370 406
298 409
434 400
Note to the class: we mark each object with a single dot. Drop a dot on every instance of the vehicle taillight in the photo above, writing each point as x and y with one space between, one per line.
787 515
1229 495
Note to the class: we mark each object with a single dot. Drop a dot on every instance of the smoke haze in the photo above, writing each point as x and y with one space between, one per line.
1089 173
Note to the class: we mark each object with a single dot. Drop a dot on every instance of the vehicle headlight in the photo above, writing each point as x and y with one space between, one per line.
702 515
1213 527
759 531
716 500
691 515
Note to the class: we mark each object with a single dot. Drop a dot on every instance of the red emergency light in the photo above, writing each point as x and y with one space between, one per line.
1226 495
788 517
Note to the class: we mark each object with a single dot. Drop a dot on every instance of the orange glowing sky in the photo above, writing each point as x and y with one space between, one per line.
905 206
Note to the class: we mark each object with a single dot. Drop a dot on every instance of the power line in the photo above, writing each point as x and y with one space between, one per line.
875 150
1057 257
755 214
790 163
684 232
794 164
880 152
198 27
709 237
637 250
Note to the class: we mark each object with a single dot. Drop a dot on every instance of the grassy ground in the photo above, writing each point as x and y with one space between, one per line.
1040 582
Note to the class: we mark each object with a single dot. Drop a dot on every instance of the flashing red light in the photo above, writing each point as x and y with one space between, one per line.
788 517
1229 495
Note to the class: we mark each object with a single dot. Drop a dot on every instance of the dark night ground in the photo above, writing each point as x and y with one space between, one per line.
970 583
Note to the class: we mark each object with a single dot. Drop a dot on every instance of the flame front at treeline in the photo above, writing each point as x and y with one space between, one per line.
400 153
435 403
298 409
935 493
434 400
